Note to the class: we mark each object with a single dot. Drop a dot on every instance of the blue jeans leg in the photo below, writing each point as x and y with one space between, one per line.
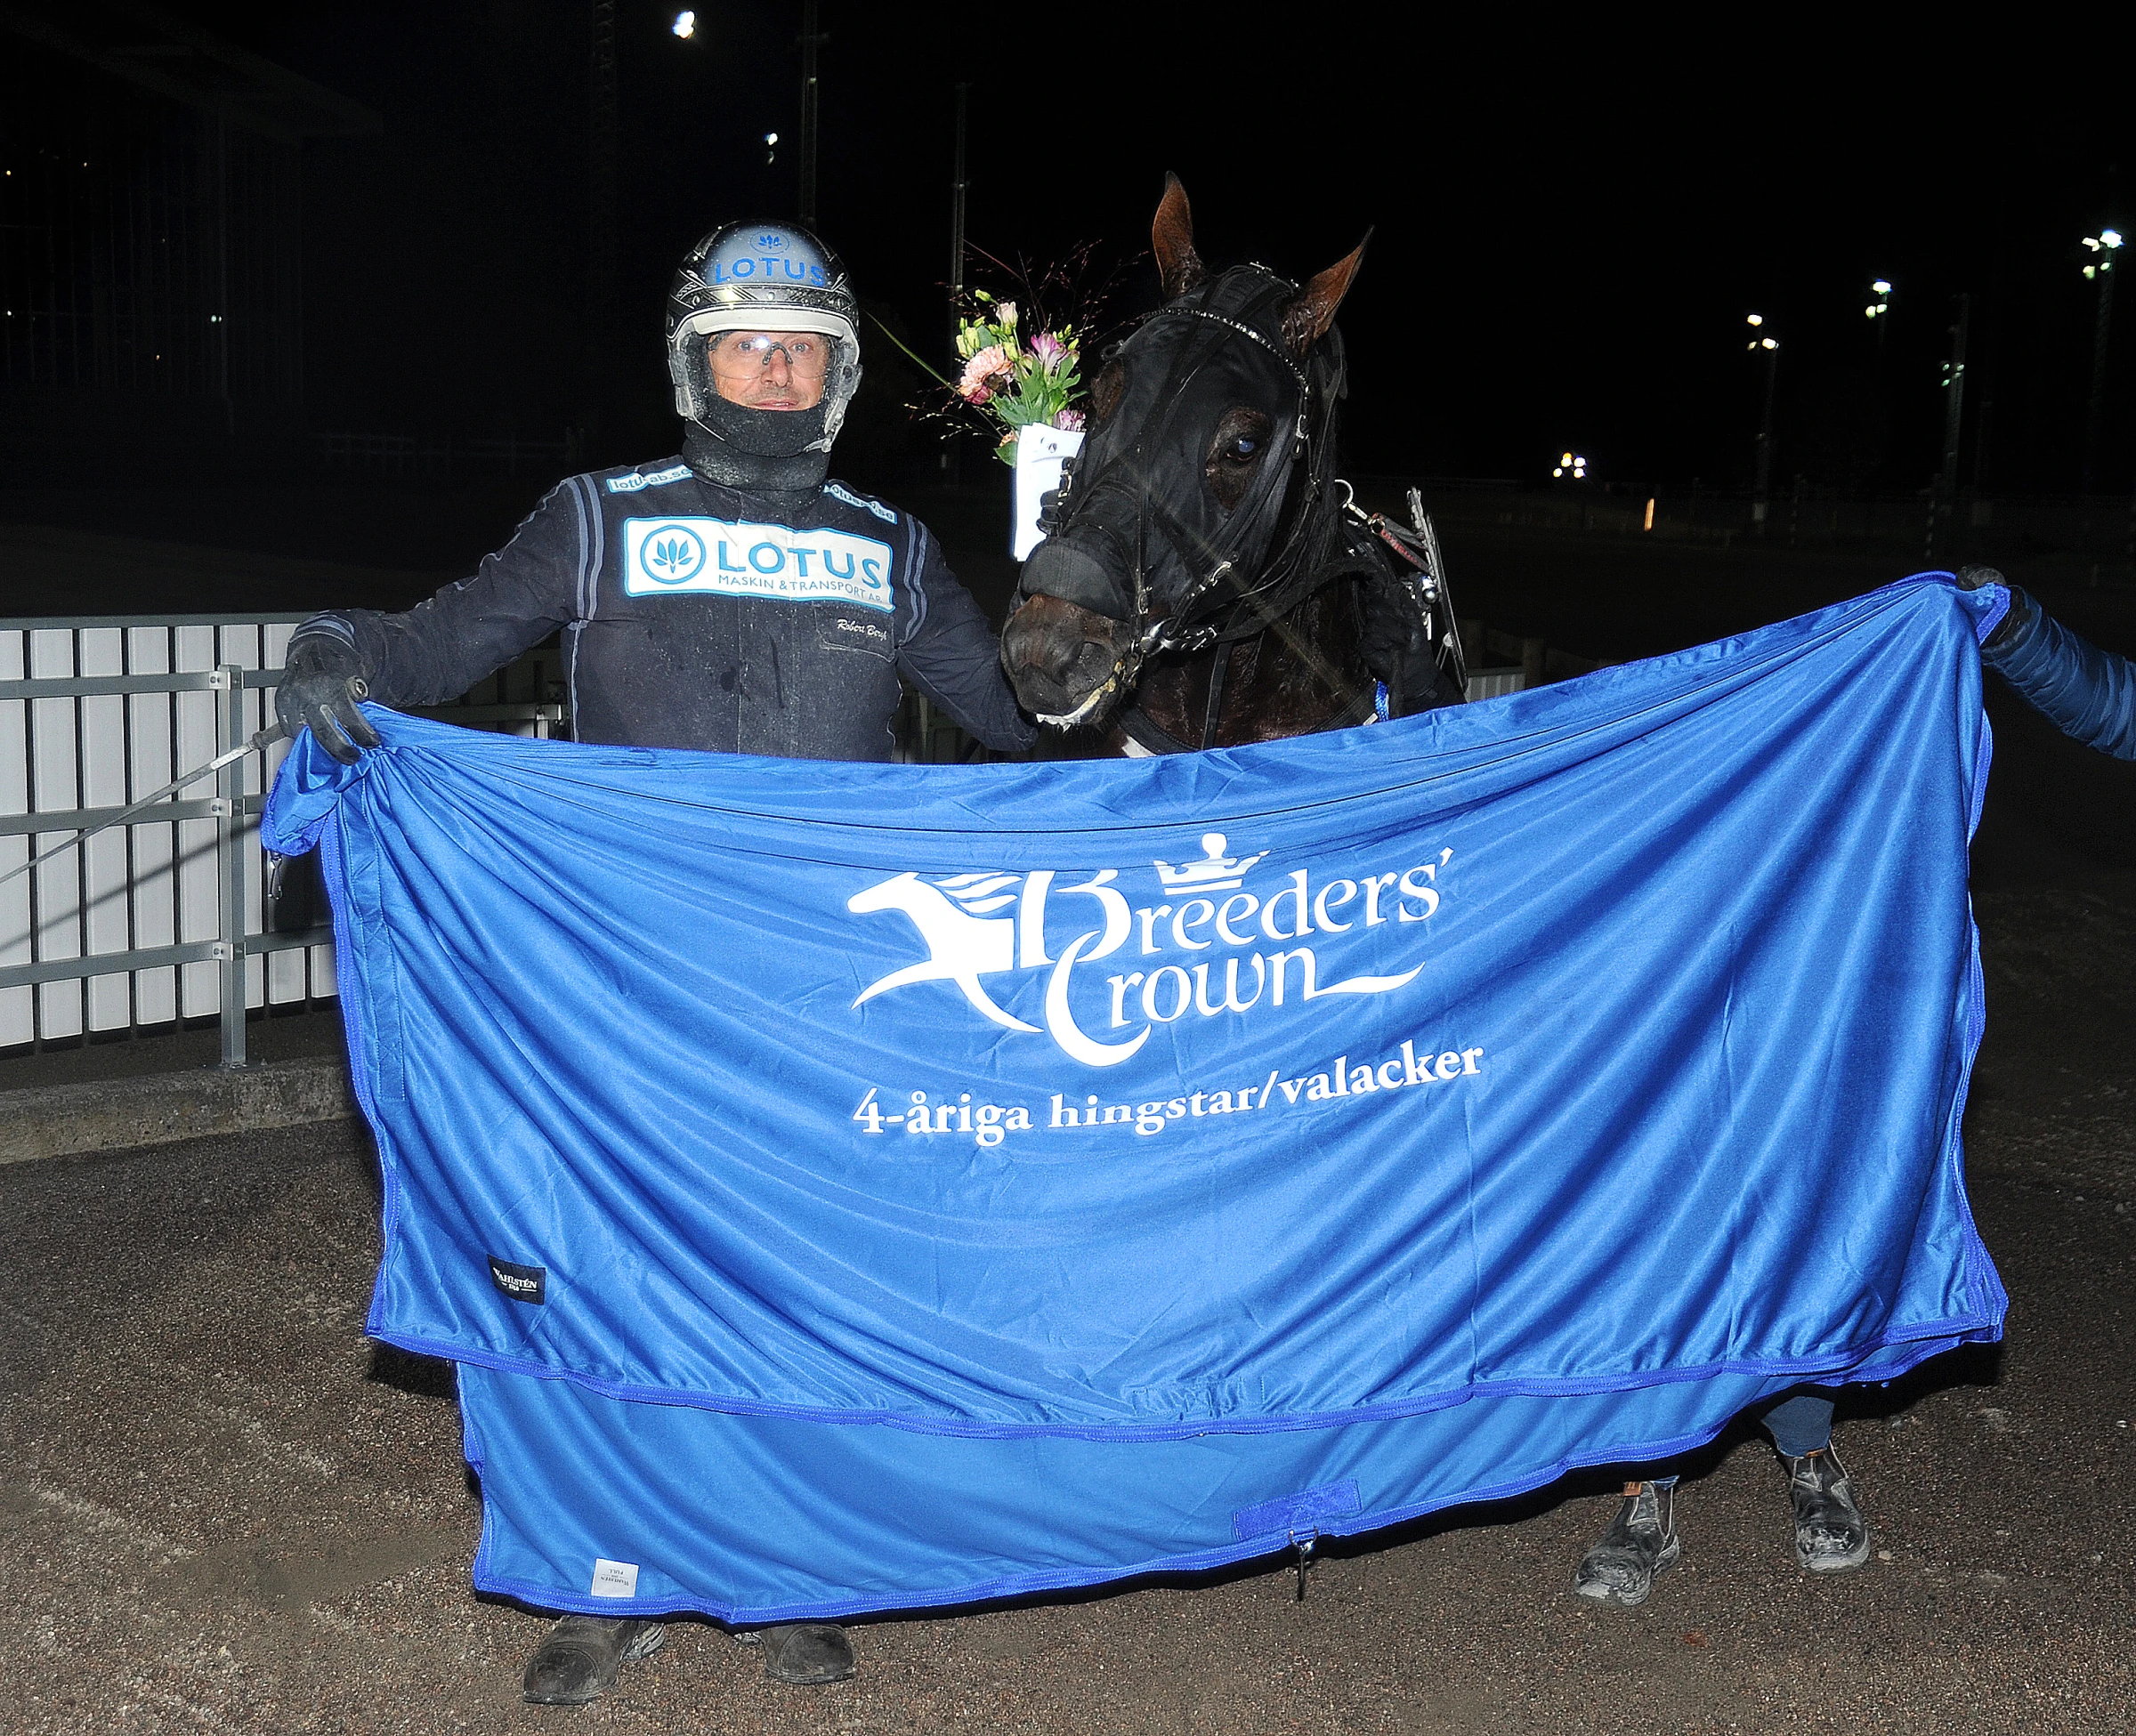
1800 1423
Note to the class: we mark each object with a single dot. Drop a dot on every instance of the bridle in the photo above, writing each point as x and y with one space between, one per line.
1221 607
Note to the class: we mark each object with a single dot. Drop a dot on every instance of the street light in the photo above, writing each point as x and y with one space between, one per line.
684 25
1572 465
1763 342
2100 270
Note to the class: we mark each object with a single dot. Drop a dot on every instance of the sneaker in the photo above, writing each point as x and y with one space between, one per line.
1642 1544
1831 1535
581 1657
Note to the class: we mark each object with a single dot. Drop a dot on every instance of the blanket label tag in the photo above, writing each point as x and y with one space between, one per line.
520 1283
614 1578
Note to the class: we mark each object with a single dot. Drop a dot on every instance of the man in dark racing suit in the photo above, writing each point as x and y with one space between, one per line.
731 599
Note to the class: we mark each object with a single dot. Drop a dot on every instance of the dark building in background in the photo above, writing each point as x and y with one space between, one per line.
152 240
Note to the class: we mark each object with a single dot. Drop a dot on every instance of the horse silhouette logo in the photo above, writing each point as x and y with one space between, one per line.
964 940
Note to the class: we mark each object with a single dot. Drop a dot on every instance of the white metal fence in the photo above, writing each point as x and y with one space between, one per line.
163 918
94 713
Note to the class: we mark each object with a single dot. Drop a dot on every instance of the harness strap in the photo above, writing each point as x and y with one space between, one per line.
1153 738
1175 311
1213 713
1149 735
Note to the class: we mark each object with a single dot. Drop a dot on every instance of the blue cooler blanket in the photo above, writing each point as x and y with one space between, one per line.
854 1187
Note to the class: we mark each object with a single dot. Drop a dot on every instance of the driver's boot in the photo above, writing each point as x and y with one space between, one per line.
580 1657
1831 1535
806 1654
1642 1543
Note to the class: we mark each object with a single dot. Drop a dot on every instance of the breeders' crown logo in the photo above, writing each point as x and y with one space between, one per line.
1215 873
1201 947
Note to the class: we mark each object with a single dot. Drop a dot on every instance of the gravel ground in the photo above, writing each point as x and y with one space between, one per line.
223 1509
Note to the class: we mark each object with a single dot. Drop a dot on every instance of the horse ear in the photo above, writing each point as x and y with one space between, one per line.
1309 313
1179 267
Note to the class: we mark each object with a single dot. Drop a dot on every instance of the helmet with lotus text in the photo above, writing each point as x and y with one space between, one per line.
761 278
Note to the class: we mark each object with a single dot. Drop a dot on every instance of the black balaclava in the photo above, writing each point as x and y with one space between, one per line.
759 451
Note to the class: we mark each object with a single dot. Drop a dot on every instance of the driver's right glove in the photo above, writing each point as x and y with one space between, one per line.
322 679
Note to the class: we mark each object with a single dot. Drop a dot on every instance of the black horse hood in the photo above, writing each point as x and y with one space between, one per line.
1139 500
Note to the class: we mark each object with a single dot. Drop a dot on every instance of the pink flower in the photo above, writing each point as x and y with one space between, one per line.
1050 351
984 374
1071 421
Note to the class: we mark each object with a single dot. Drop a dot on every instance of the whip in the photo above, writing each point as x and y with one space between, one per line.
253 744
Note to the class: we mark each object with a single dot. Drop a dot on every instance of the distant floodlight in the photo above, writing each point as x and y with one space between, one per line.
2091 271
2108 237
1557 470
684 25
1566 459
1880 287
1755 319
1872 310
1768 344
770 138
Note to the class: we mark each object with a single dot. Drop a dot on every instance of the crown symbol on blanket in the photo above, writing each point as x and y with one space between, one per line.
1215 873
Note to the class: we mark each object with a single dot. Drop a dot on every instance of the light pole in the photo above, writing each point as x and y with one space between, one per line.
952 454
2099 269
1953 407
1763 342
1879 316
601 227
811 38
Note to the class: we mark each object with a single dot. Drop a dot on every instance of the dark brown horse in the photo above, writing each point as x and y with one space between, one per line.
1206 580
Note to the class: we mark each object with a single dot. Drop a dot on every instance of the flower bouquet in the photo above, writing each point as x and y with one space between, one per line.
1015 384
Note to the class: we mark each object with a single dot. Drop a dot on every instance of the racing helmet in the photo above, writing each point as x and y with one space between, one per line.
761 277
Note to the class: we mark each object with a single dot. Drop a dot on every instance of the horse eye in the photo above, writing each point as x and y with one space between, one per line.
1243 450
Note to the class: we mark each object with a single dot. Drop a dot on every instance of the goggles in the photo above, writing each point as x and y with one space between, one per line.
806 353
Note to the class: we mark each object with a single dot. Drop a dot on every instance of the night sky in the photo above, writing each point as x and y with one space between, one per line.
1569 223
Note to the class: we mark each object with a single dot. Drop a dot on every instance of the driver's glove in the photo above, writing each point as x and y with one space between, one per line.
2013 622
322 679
1398 647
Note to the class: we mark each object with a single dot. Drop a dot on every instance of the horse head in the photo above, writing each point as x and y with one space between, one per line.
1210 435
